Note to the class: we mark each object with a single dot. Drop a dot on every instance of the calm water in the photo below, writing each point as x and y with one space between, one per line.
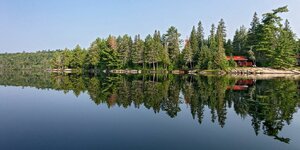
42 111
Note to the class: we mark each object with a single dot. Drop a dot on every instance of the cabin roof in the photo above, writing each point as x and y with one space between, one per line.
236 58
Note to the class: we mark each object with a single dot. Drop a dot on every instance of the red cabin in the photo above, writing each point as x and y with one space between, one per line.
241 61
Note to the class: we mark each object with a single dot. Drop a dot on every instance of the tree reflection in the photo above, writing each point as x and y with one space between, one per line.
269 103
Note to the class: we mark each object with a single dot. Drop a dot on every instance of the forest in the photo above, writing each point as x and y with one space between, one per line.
269 42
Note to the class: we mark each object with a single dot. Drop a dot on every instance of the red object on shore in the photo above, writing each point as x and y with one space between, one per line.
241 61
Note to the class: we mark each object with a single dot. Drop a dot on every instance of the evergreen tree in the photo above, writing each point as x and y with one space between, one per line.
276 46
67 58
78 57
212 43
194 45
172 40
137 54
240 42
200 35
228 47
220 57
108 56
187 54
252 39
150 56
124 49
286 48
158 47
93 54
205 58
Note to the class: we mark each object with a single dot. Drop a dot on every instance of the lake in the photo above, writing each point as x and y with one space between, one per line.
51 111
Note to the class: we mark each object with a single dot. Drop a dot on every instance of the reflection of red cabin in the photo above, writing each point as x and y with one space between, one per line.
241 85
241 61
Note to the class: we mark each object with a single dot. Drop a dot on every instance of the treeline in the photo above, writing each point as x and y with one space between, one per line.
268 42
22 61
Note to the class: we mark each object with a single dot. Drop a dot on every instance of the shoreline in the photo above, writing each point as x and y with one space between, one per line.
240 71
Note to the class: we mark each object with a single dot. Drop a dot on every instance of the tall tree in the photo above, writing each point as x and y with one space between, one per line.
124 49
220 57
194 45
275 46
137 54
252 39
78 57
212 43
187 53
240 41
286 48
158 47
172 40
93 54
150 56
200 35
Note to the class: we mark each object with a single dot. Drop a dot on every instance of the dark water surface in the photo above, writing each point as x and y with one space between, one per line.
42 111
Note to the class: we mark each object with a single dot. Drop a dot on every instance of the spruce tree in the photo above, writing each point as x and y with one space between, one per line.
220 57
194 45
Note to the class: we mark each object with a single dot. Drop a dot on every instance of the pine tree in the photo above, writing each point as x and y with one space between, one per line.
78 57
240 41
286 48
172 40
187 54
150 51
275 47
194 45
252 39
205 58
67 58
200 35
212 38
137 54
158 47
220 57
124 49
93 54
228 47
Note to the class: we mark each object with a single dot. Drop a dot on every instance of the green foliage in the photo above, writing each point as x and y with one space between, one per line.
93 54
188 54
276 46
138 48
124 49
172 43
270 43
220 57
240 42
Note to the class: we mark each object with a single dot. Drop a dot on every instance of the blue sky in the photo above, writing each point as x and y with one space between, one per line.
31 25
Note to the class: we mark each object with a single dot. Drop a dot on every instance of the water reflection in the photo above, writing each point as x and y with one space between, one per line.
270 104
